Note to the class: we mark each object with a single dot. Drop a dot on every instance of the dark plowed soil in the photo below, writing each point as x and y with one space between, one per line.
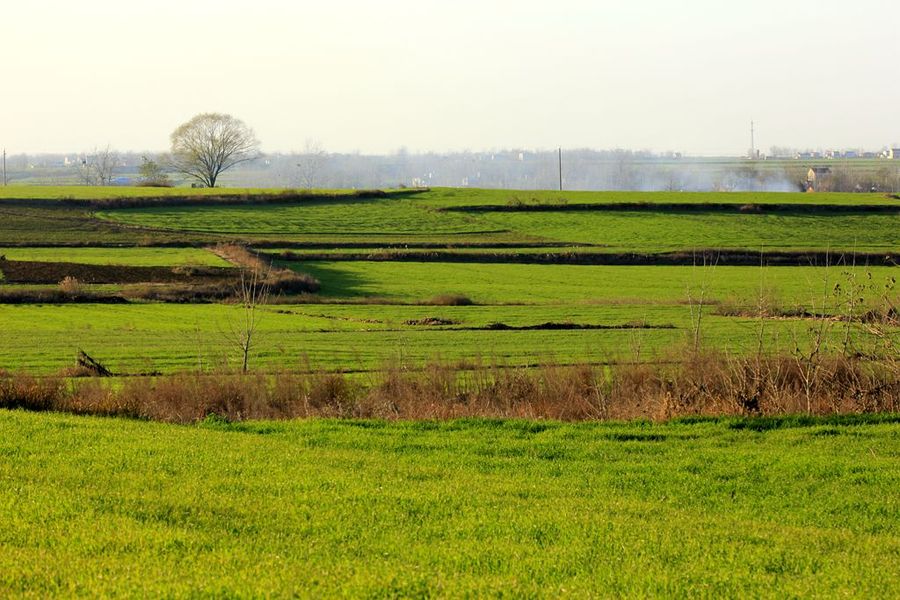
793 208
431 321
568 326
550 326
720 257
34 272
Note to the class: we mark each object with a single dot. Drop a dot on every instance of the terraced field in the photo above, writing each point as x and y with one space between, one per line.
377 305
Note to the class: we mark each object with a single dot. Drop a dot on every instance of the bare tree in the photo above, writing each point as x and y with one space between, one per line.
97 167
252 292
211 143
310 163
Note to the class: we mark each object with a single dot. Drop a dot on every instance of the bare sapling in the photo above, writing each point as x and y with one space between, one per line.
809 354
697 298
252 292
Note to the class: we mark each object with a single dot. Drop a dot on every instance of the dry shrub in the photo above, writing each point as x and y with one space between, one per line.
696 383
450 300
179 293
17 295
286 281
70 285
30 393
278 280
241 256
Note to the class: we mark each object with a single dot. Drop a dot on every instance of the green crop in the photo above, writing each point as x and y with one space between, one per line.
781 507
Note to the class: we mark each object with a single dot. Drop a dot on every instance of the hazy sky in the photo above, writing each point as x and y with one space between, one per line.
453 74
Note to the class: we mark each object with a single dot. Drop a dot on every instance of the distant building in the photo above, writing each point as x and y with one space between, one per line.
894 154
817 178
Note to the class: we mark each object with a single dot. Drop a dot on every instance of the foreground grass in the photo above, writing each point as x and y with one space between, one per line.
322 508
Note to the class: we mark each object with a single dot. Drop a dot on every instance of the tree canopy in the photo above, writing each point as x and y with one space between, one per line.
211 143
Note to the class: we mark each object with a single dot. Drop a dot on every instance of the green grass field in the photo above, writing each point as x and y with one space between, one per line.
446 197
368 329
644 231
82 192
146 338
769 507
567 284
659 231
777 508
332 217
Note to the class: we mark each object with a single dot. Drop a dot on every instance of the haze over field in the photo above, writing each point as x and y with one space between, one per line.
439 76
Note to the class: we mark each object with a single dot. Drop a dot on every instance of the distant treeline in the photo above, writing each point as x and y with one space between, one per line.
512 169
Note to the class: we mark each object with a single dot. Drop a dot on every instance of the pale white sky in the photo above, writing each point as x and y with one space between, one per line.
453 74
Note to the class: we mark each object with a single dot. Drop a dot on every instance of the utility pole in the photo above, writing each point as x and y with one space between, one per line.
560 168
5 180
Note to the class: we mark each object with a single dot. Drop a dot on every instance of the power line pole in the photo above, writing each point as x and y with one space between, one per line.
560 168
5 180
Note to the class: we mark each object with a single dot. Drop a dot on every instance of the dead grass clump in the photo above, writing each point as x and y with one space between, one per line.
70 285
179 293
17 295
30 393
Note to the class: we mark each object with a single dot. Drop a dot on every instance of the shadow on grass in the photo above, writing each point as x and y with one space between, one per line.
335 283
791 421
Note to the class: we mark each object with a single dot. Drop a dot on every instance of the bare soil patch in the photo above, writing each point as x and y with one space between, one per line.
748 257
36 272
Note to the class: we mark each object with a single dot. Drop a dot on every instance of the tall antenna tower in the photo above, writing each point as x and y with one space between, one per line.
560 168
752 140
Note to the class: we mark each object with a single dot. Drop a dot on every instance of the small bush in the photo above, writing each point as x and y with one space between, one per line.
450 300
